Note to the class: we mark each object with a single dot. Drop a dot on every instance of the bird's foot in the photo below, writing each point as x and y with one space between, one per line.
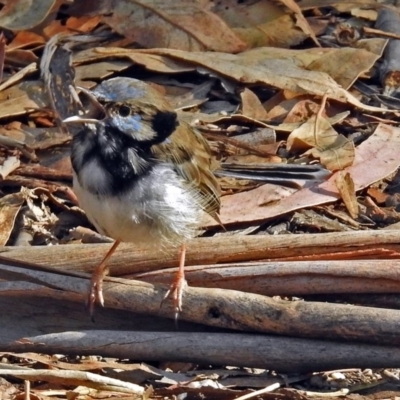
96 283
178 286
95 292
175 292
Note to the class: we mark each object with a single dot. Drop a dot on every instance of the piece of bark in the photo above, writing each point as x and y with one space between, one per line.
16 181
290 278
41 172
239 349
217 307
380 300
285 278
75 378
130 259
23 316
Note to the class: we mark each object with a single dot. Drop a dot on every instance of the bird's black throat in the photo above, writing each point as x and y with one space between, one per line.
123 159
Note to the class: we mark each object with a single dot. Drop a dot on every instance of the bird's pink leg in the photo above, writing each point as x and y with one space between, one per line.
96 282
179 284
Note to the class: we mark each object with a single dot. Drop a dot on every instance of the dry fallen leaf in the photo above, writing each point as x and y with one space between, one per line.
256 66
24 39
345 185
315 221
345 64
375 159
298 109
18 15
290 126
9 208
177 25
260 23
335 155
251 105
334 151
10 164
17 99
301 21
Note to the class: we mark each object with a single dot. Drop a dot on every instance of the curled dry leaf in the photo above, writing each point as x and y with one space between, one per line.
334 151
58 78
345 185
301 21
10 164
336 155
298 108
9 208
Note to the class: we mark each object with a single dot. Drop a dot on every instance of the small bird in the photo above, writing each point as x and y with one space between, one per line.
141 175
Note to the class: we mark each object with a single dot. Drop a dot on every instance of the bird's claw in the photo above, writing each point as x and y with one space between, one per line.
95 293
175 292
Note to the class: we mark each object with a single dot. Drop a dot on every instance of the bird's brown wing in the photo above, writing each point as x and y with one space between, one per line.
190 153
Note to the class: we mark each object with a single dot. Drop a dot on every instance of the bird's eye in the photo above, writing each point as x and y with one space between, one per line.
124 111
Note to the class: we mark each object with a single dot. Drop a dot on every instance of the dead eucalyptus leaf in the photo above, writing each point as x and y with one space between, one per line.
18 15
301 21
260 23
256 66
334 151
10 164
345 185
179 25
9 208
251 105
345 64
376 158
290 126
335 156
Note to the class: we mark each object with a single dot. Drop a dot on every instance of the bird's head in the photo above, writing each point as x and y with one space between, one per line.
129 107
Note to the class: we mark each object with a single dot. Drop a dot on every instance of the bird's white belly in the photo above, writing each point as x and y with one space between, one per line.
157 210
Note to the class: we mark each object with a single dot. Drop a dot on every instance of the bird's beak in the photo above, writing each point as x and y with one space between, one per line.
77 119
95 108
95 112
